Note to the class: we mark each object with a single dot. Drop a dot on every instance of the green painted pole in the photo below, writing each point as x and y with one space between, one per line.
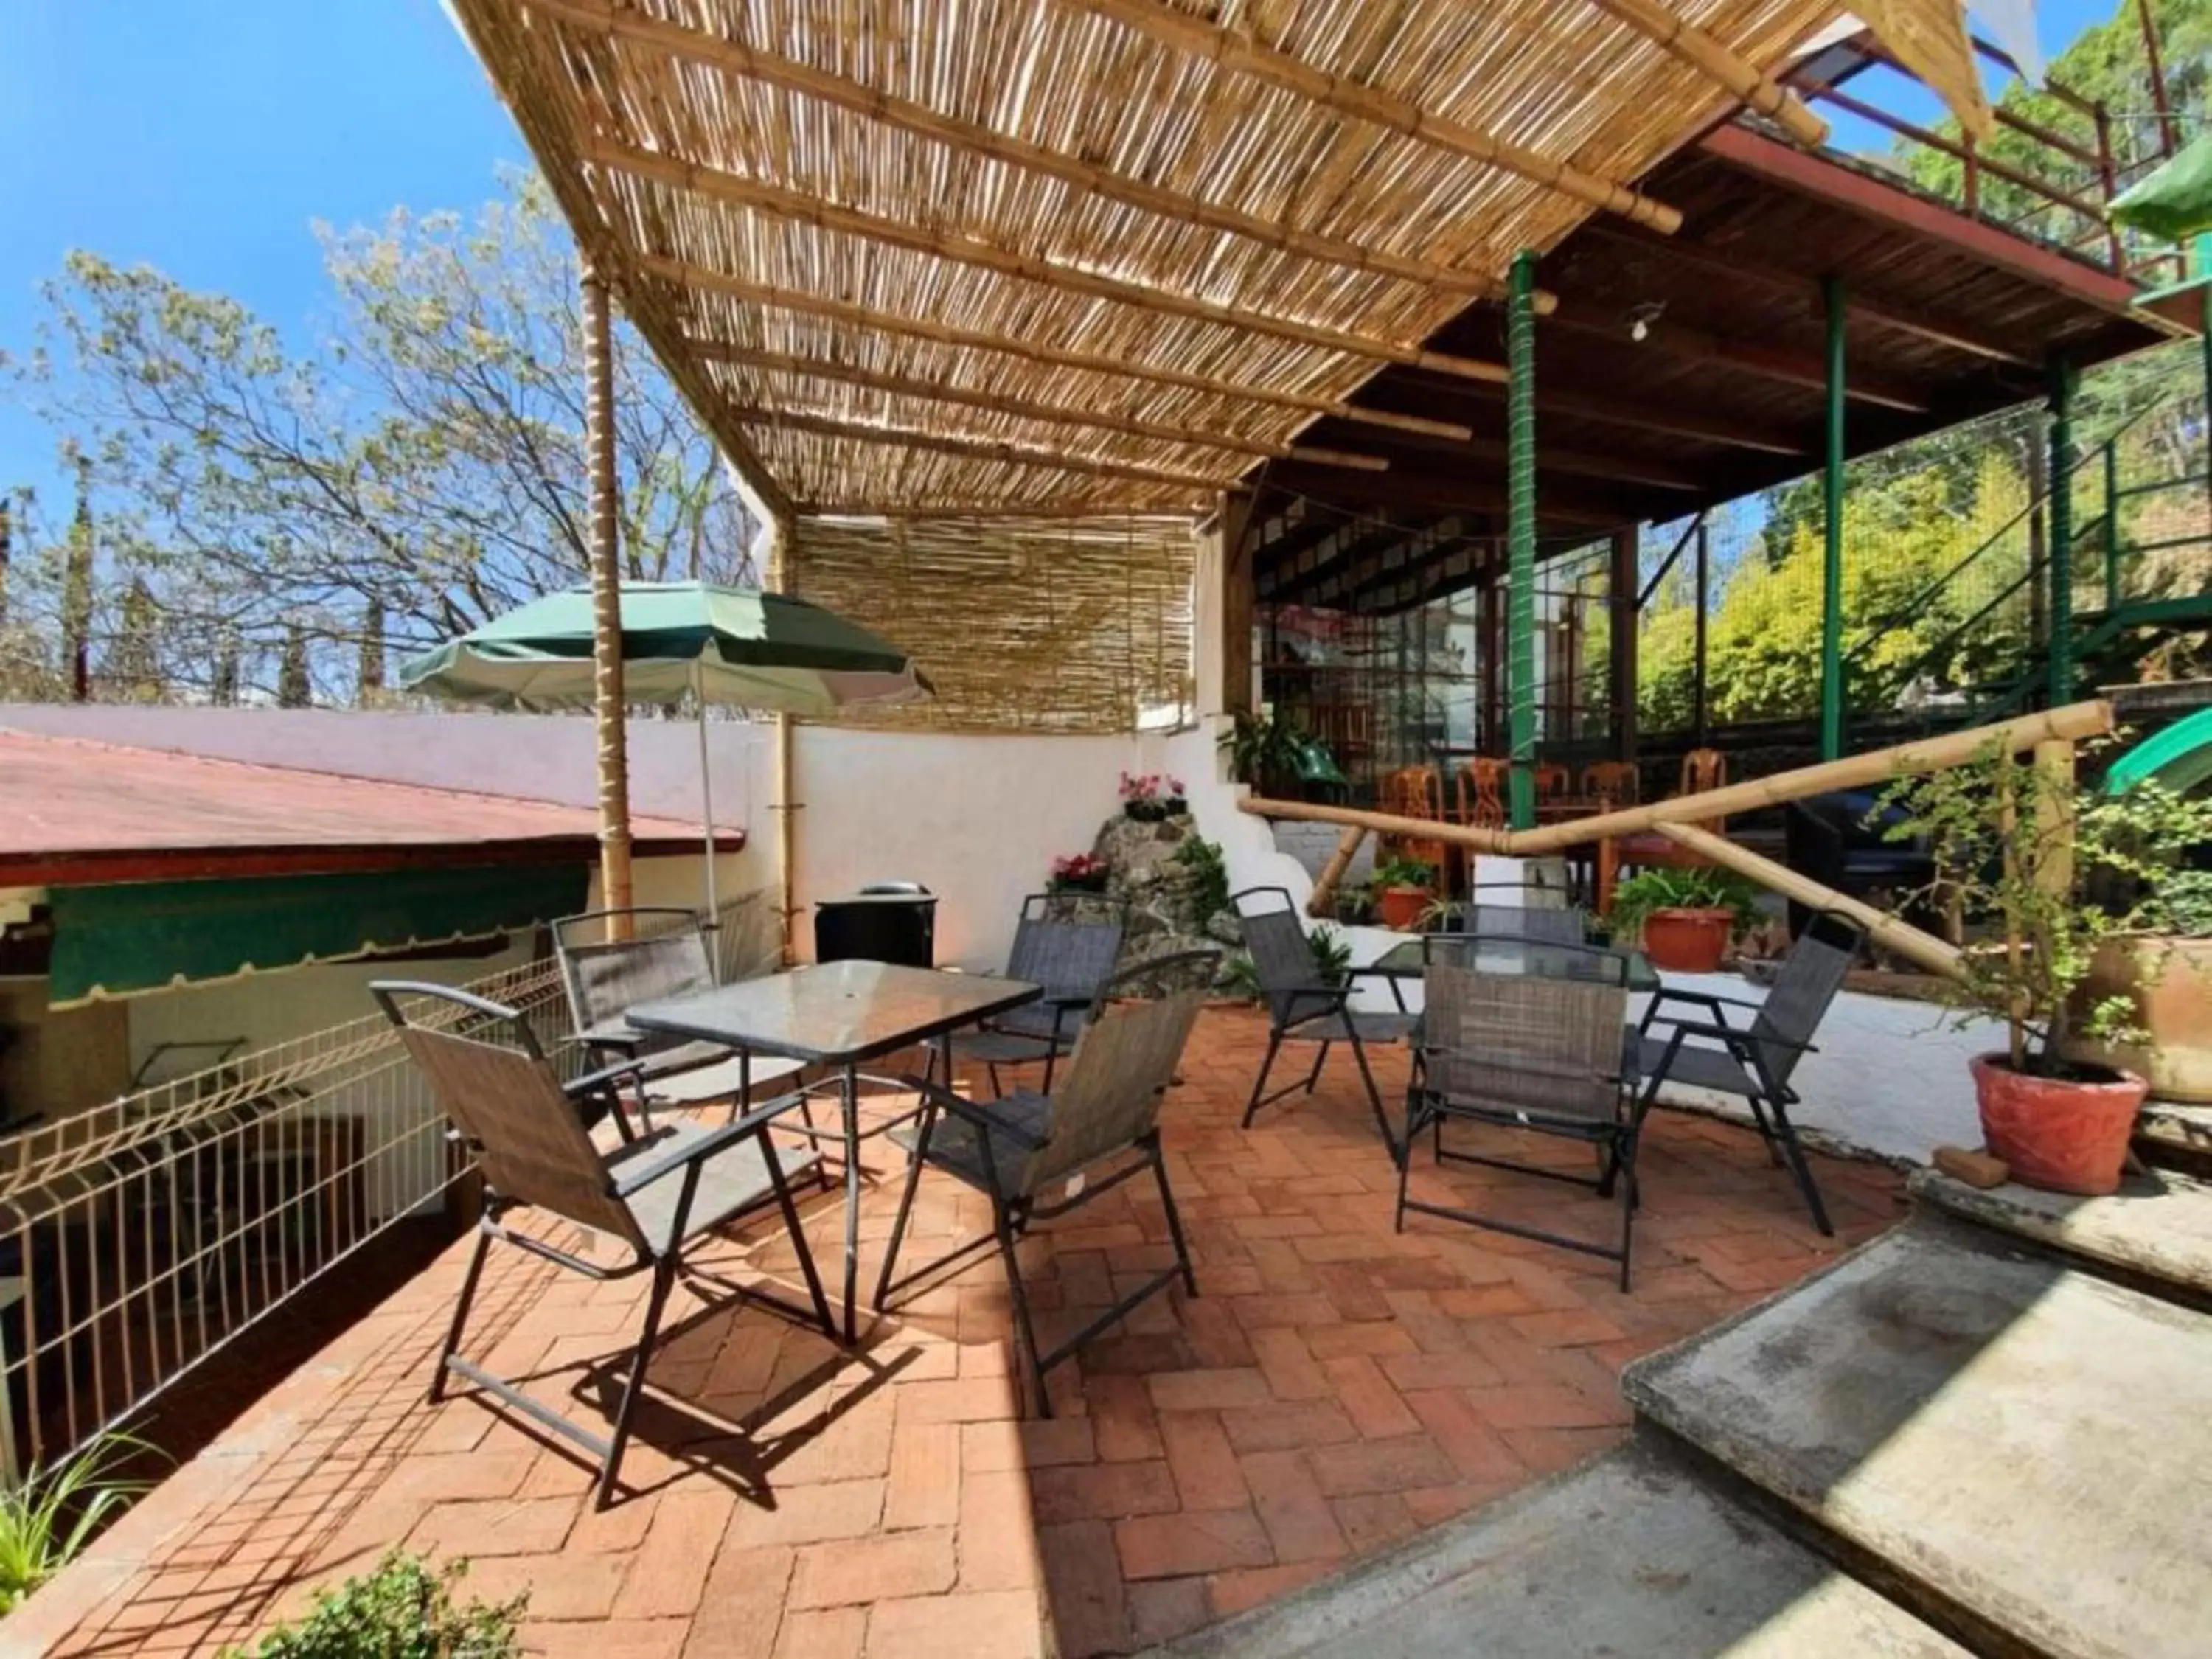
2204 249
2111 524
1521 534
2062 532
1832 540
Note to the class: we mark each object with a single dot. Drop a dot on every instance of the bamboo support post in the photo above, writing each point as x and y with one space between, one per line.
683 273
1323 900
1242 55
2054 817
714 185
608 704
1886 930
1716 62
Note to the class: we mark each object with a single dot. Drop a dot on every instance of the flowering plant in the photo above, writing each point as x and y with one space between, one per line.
1151 796
1079 872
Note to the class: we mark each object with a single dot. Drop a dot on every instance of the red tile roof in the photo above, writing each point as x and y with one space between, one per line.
79 811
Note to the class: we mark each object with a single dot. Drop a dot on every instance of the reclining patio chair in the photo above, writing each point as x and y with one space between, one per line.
1016 1150
1540 1054
1493 917
1755 1061
668 956
1067 943
1301 1007
652 1195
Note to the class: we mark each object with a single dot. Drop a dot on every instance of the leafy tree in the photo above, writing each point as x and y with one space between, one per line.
416 471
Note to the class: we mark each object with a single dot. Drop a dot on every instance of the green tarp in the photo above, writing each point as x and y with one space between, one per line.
2174 202
143 936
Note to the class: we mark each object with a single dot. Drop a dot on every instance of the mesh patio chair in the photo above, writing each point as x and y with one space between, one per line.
1301 1008
652 1195
1753 1061
1105 1112
1067 943
1540 1053
604 977
1566 924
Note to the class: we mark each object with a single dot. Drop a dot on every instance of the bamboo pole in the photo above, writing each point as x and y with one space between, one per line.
608 704
1322 902
982 448
1237 52
1714 61
739 57
1886 930
941 392
683 273
739 191
2054 815
2073 722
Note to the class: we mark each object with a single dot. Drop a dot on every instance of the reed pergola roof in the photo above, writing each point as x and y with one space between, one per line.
1058 256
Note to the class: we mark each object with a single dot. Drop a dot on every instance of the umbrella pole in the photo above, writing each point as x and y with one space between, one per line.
705 795
609 706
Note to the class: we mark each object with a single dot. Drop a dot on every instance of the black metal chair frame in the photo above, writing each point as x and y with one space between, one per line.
1012 1216
1753 1048
1321 1005
1615 1141
687 1161
1022 1039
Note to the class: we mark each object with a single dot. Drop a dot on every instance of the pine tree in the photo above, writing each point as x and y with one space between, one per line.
293 687
369 679
76 591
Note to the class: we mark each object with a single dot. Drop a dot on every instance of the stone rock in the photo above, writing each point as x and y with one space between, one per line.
1222 927
1144 872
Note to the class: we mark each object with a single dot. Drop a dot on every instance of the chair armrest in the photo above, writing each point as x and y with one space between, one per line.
709 1145
605 1078
1655 1010
1324 1001
1734 1036
971 1111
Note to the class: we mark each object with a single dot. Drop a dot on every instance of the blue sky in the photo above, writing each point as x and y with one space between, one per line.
203 138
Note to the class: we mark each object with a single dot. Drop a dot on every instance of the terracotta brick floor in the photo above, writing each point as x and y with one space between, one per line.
1336 1388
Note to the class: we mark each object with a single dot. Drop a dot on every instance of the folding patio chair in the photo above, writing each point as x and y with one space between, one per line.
1302 1008
1565 924
1537 1053
652 1195
1068 943
668 956
1106 1111
1755 1061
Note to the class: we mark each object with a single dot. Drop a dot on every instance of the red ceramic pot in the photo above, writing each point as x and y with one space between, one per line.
1687 941
1402 908
2056 1134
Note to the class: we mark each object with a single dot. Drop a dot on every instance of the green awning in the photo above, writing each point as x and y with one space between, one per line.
146 936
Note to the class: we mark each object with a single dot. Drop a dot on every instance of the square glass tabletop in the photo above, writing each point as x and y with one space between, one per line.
1536 959
835 1013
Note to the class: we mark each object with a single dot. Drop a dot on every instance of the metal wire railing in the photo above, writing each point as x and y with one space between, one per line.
138 1239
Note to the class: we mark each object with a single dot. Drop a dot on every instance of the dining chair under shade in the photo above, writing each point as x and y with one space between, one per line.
1537 1054
1614 782
649 1197
1480 789
1101 1121
1414 792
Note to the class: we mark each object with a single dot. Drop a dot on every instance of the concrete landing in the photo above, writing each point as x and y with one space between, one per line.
2024 1440
1625 1555
2159 1226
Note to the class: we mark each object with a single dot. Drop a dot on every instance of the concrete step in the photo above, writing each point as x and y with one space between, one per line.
1629 1554
2015 1446
2156 1230
2173 1136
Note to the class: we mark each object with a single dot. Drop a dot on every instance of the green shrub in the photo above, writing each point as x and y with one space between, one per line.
403 1610
1404 872
48 1516
1209 876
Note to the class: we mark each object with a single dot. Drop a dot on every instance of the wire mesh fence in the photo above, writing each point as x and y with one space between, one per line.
140 1238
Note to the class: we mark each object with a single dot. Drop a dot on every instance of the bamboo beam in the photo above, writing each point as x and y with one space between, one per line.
682 274
1716 62
1388 825
1886 930
1241 55
738 190
980 448
944 392
737 58
1323 903
610 708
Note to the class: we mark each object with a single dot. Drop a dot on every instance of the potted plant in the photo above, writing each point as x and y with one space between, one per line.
1404 889
1685 917
2017 848
1355 903
1079 872
1264 752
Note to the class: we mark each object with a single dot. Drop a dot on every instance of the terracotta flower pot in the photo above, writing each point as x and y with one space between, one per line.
2169 980
1401 907
1687 941
2058 1134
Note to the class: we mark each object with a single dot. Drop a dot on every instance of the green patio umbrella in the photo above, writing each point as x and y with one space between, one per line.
735 646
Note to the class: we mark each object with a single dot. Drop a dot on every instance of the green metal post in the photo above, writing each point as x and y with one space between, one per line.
1832 547
2204 250
1521 534
2112 525
2062 532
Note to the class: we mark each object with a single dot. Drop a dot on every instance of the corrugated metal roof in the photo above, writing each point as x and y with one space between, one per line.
80 812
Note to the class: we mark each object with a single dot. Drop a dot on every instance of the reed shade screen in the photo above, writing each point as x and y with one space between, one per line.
682 173
1057 625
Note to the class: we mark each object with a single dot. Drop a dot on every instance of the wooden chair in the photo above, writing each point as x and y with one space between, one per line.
1415 792
1481 790
1703 769
1612 783
1551 781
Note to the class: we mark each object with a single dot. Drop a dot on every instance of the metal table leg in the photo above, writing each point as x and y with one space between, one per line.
849 1103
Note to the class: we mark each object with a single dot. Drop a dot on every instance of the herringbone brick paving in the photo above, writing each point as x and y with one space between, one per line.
1335 1388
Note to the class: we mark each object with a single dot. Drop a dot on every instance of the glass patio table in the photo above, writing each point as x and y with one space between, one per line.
1497 954
839 1014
